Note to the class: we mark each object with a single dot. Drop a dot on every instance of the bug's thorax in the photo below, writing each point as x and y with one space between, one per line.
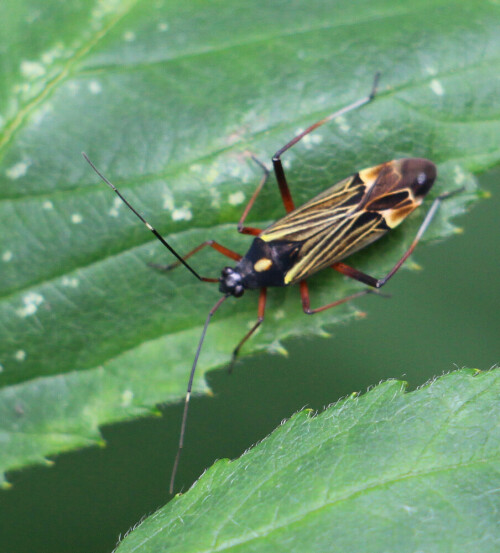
265 264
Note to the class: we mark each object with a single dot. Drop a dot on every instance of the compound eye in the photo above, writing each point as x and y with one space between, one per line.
238 291
226 271
421 178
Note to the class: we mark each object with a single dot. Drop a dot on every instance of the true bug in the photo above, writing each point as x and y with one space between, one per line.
333 225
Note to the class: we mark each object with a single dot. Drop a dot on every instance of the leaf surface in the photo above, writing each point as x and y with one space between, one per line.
167 100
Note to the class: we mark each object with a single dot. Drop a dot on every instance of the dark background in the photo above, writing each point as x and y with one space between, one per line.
439 319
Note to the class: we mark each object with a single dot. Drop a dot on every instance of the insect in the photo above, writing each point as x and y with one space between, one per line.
321 233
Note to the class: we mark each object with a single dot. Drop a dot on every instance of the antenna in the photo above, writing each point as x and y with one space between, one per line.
151 228
188 392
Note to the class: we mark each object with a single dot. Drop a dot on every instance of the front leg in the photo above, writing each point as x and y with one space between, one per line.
212 244
261 311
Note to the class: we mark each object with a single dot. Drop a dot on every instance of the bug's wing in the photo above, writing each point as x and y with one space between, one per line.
318 214
344 219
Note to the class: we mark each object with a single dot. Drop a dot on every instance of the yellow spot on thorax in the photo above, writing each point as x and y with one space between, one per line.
263 264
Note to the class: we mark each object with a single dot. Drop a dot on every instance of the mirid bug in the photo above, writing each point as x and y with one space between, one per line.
321 233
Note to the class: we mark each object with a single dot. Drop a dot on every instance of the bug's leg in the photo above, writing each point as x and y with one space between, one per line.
379 282
260 318
252 230
306 306
213 244
278 166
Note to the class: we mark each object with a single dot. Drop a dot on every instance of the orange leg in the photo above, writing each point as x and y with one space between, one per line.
278 166
286 195
213 244
252 230
261 311
304 294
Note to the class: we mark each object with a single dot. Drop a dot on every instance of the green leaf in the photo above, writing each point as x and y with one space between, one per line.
167 100
387 471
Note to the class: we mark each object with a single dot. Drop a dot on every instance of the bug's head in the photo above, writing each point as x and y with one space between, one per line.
421 174
230 282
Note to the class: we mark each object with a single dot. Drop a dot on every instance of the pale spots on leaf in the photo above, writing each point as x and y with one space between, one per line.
95 87
70 282
105 7
127 397
18 170
196 168
73 87
279 314
39 115
129 36
48 205
7 256
307 141
49 56
32 69
31 302
236 198
342 123
182 214
215 198
437 87
76 218
168 201
20 355
212 175
310 140
113 211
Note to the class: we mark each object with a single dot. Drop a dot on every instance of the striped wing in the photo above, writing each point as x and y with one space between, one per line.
344 219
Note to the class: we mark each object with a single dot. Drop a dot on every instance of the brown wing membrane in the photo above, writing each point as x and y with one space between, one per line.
347 217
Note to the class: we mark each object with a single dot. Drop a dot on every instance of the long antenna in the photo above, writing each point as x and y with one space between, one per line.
152 229
188 392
